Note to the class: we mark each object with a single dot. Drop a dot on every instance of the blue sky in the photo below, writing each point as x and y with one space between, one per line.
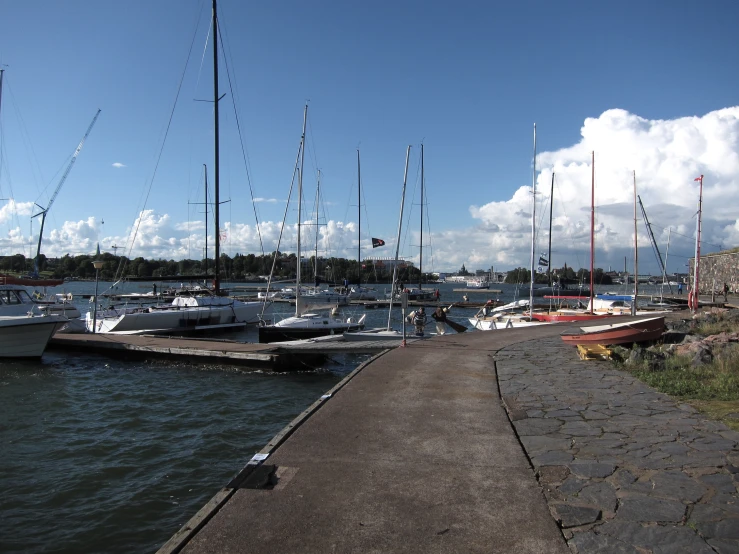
467 79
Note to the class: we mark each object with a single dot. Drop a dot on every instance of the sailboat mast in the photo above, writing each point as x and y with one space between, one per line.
397 242
315 260
636 256
205 263
533 229
359 222
592 228
549 254
420 254
216 280
300 213
664 267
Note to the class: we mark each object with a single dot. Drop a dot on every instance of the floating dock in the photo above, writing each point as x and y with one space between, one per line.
278 356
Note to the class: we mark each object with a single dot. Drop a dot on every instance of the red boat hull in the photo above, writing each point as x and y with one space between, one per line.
619 333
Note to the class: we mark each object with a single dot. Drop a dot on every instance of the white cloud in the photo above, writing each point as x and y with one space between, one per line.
13 209
118 165
269 200
666 154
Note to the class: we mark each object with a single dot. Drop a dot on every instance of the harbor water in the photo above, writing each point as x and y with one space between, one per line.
103 455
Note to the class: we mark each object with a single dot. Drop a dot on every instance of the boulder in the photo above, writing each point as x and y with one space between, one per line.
703 356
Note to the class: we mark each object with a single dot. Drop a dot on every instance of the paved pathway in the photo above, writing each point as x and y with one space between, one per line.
623 467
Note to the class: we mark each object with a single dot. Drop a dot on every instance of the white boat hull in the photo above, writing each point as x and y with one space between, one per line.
27 337
375 334
171 319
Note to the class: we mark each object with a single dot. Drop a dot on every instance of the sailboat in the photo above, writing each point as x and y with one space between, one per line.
510 316
203 310
387 333
580 314
358 292
419 294
305 325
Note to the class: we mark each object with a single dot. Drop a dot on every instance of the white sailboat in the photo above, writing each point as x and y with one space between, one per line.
203 310
305 325
511 316
419 294
387 333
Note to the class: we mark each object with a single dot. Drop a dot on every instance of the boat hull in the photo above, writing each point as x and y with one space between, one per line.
176 319
270 333
27 337
619 333
554 317
375 334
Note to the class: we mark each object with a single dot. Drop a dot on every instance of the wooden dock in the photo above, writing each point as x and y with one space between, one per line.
281 356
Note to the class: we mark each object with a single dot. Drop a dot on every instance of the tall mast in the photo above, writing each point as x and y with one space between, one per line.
216 280
397 242
420 254
359 224
533 229
300 213
205 265
592 229
697 246
664 266
549 255
318 198
636 257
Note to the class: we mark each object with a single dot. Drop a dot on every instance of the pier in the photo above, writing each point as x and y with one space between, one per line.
277 356
499 442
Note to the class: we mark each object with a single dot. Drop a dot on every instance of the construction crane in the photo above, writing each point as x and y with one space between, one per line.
44 211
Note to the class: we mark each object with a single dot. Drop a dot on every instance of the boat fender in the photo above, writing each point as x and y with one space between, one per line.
350 320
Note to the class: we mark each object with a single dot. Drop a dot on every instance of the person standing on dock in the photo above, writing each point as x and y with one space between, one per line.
419 320
438 295
440 317
679 288
726 292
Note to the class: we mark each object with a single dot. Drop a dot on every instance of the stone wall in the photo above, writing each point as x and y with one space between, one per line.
715 270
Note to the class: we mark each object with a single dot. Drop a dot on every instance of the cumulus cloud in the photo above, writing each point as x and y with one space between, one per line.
118 165
665 154
13 209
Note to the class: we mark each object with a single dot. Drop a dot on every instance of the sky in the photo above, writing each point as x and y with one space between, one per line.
649 87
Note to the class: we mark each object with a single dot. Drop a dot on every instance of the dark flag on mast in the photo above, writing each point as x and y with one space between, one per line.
377 242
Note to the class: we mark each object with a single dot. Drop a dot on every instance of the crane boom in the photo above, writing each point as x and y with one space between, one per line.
44 211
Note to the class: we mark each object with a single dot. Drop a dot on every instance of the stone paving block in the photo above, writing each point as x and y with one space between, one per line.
574 516
537 426
726 529
600 494
590 542
623 477
591 469
552 458
678 486
572 485
642 508
724 546
662 539
720 481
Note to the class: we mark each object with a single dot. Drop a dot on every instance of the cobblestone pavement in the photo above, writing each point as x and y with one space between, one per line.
624 468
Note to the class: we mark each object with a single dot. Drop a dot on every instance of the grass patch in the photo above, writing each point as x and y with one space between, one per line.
712 388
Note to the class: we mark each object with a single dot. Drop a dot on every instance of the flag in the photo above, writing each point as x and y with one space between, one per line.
698 178
543 261
377 242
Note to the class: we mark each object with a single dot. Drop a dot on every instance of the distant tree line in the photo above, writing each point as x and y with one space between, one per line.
251 267
564 275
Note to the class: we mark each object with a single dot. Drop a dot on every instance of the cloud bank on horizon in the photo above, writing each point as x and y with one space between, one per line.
666 156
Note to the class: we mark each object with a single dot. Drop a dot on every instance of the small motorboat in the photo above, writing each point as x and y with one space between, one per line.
618 333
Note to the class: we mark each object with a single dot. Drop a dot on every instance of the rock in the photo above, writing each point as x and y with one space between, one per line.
703 356
673 337
679 325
